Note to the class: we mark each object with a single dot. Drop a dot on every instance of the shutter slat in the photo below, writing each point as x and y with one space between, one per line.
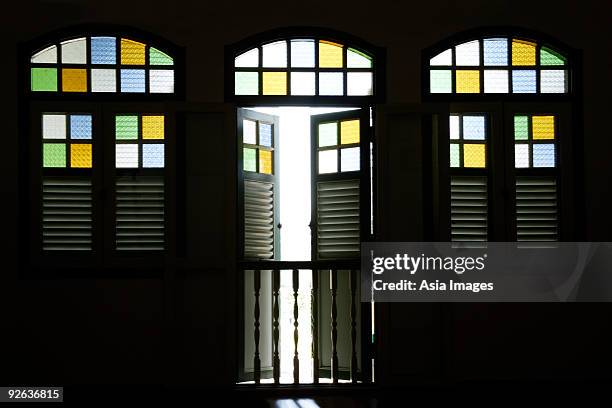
469 208
338 221
536 209
258 220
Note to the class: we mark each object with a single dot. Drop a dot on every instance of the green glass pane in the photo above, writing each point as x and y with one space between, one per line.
156 57
249 159
550 57
328 134
54 155
126 127
454 155
440 81
44 79
521 127
246 83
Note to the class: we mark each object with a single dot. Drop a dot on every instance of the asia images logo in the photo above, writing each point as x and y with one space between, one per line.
412 264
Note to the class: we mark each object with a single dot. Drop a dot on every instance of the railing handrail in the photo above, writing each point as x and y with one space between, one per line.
335 264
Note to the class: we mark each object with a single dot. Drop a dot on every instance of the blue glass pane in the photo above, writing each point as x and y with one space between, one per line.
523 81
153 155
544 155
474 127
349 159
132 80
80 126
103 50
265 134
496 51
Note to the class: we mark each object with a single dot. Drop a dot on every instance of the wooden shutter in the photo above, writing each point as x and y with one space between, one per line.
469 208
536 209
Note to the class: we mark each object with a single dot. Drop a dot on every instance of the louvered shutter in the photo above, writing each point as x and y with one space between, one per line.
469 208
258 219
536 209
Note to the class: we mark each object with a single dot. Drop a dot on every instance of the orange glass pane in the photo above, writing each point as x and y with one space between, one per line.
132 52
468 81
80 156
74 80
265 162
275 83
330 55
474 155
349 131
543 127
523 53
152 127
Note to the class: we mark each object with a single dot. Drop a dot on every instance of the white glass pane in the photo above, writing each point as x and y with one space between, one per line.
359 83
161 81
496 81
349 159
249 59
126 156
302 83
275 55
553 81
442 59
468 53
454 127
331 83
74 51
246 83
303 53
46 56
249 131
328 161
54 126
103 80
521 156
354 59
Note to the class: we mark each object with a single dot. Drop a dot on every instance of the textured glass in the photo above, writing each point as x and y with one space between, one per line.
454 155
265 134
152 155
521 128
445 58
495 51
132 80
496 81
275 55
103 80
54 155
274 83
54 126
303 53
157 57
474 155
331 83
328 134
524 81
550 57
357 59
46 56
249 59
80 156
126 127
359 83
543 127
246 83
553 81
544 155
330 55
349 159
349 131
74 51
80 127
103 50
328 161
265 161
523 53
440 81
468 81
521 156
126 156
152 127
132 52
161 81
474 128
249 131
468 54
454 127
74 80
44 79
302 83
248 157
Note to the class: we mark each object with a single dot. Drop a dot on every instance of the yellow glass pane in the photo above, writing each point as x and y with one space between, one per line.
474 155
80 156
275 83
543 127
74 80
468 81
330 55
152 127
523 53
349 131
132 52
265 162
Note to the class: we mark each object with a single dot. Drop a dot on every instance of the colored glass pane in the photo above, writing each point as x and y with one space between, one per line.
349 159
330 55
74 80
80 156
468 81
274 83
302 83
265 134
152 127
474 155
249 159
157 57
544 155
328 161
132 80
152 155
495 51
543 127
521 128
53 126
331 83
303 53
126 127
103 50
249 131
521 156
54 155
349 131
550 57
440 81
44 79
132 52
265 161
357 59
80 127
126 156
524 81
246 83
359 83
523 53
328 134
474 127
454 155
103 80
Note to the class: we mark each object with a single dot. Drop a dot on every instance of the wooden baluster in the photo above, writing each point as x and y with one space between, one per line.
256 359
296 360
275 324
314 301
333 283
353 278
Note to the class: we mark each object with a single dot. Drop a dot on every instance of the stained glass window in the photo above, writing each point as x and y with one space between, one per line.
258 150
535 141
67 140
338 144
468 141
139 141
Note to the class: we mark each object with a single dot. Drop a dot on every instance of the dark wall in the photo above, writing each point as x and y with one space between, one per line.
119 330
